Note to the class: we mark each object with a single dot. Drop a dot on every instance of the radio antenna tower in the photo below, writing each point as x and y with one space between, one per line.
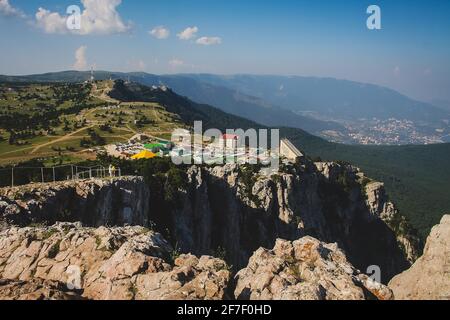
92 74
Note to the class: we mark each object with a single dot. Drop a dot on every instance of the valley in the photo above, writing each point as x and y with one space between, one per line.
407 171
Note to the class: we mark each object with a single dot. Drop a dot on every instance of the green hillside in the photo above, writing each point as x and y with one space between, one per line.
417 178
67 120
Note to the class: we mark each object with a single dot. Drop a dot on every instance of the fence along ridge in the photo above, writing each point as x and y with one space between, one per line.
77 172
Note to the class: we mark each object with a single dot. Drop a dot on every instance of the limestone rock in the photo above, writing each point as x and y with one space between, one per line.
105 263
223 207
306 269
381 208
35 289
429 277
191 278
95 202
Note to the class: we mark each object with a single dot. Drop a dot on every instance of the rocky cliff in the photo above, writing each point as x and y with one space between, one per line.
305 269
231 211
238 210
67 261
97 202
429 277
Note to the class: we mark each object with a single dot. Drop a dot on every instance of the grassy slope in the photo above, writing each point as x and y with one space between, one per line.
28 99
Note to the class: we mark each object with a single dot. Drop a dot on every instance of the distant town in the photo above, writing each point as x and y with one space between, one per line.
389 132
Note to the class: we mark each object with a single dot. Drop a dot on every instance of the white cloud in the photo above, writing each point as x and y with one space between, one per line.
6 9
51 22
97 17
160 32
208 41
188 33
80 59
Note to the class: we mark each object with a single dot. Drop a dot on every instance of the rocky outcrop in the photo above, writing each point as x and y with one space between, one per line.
429 277
36 289
232 210
380 207
96 202
305 269
104 263
239 211
67 261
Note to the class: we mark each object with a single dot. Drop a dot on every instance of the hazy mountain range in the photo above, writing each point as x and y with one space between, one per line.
443 104
328 96
334 109
227 99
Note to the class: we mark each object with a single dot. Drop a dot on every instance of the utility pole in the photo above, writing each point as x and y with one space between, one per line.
54 175
42 174
12 176
71 166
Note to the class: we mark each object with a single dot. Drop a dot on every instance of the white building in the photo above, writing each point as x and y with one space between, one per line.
289 151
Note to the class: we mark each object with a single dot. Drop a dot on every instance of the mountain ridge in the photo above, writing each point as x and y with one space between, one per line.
303 85
408 172
338 110
226 99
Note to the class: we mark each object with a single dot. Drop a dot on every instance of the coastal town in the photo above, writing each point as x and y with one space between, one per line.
394 131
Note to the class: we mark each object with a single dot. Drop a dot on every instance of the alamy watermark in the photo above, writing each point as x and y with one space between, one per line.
374 20
374 273
74 277
234 146
73 21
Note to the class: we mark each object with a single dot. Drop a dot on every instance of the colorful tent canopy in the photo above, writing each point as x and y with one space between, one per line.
154 145
144 155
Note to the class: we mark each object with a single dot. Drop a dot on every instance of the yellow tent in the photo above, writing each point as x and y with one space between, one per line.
144 155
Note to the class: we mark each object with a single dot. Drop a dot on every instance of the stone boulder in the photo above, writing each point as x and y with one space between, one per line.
36 289
105 263
306 269
94 202
429 277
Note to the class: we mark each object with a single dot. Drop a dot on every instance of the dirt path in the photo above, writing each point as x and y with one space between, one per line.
17 150
64 138
131 130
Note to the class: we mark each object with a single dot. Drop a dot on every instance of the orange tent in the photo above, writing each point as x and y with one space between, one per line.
144 155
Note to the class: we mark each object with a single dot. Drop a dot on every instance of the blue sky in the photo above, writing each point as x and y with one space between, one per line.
312 38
